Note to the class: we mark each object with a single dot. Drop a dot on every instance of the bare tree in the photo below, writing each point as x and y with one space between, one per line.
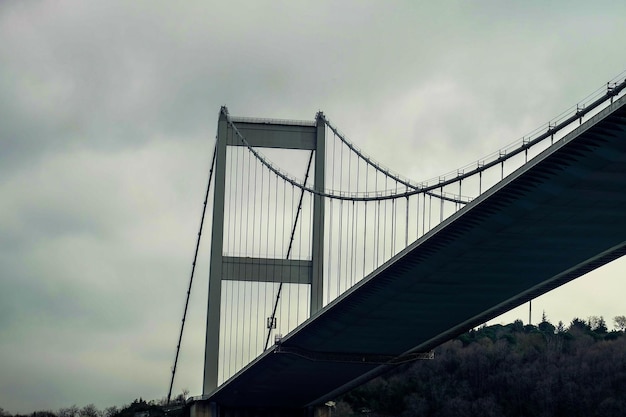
110 411
69 411
89 411
620 323
597 324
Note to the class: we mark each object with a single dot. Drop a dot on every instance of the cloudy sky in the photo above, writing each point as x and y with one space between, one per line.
107 114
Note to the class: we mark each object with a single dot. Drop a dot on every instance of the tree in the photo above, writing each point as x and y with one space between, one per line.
518 326
69 411
89 411
43 414
342 409
619 323
597 324
182 397
578 324
110 411
545 326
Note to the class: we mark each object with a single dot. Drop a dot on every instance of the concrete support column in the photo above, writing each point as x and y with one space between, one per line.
211 353
203 409
317 255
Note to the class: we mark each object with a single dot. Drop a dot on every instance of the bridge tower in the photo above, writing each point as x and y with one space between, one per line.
268 134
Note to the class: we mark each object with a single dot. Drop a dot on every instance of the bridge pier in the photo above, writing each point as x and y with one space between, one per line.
203 409
211 409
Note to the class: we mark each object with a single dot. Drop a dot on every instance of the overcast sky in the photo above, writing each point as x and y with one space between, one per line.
107 115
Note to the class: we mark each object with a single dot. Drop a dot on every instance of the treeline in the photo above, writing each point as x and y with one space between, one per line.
512 370
138 408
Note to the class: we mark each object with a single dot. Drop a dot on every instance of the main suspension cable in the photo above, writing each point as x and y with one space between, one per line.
385 195
612 91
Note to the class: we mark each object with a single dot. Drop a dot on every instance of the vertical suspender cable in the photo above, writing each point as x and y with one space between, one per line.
248 184
392 232
331 218
267 248
406 226
251 284
193 268
377 220
441 207
347 236
340 243
417 217
365 219
275 238
423 214
234 211
385 224
353 249
375 225
356 223
430 212
331 229
238 284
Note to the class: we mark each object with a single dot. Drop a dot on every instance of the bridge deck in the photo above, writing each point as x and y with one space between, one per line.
556 218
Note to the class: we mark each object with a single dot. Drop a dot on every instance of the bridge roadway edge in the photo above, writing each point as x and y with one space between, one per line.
585 170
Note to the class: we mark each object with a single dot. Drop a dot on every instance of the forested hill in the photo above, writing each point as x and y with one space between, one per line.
512 370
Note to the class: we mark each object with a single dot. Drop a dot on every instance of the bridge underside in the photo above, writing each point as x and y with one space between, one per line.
554 219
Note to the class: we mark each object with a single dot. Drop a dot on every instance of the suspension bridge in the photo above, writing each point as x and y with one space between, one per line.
331 269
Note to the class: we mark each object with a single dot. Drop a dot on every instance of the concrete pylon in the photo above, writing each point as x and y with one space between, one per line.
272 134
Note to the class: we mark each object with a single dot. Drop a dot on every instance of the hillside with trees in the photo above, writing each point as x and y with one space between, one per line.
502 370
512 370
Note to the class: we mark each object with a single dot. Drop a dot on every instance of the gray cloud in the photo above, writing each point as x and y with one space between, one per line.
108 114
